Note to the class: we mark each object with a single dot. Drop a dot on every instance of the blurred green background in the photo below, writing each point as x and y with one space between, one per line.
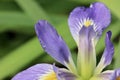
19 46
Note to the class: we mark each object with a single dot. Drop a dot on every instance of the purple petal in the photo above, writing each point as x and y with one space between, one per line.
116 75
108 53
86 54
101 16
64 74
36 72
51 42
109 50
75 21
97 15
86 35
106 75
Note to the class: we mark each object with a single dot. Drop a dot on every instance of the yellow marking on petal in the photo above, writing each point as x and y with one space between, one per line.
49 76
118 78
87 23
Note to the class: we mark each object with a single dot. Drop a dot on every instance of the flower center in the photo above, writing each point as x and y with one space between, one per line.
88 23
118 78
49 76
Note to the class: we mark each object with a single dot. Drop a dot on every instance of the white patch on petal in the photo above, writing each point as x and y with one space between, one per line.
49 75
100 66
91 5
86 22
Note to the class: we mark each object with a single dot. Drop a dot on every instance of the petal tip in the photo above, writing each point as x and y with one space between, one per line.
109 34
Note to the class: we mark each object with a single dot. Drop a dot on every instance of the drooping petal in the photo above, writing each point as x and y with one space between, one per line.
64 74
116 75
97 15
37 72
53 44
86 52
107 55
106 75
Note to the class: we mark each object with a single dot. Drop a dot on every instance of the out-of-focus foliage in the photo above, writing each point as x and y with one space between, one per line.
19 46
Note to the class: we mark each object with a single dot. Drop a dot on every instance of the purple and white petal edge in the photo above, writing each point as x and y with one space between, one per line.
106 75
64 74
36 72
116 75
107 55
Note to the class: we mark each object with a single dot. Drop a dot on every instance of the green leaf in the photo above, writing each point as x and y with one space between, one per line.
84 2
117 56
16 59
15 20
34 10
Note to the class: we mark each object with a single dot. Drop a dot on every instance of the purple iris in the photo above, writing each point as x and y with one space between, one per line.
86 26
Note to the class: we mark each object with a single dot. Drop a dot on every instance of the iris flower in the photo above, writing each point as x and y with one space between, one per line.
86 26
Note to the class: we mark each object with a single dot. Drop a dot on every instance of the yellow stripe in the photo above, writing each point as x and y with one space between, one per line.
49 76
87 23
118 78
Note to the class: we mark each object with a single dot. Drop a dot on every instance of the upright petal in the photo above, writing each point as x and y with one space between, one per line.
86 52
107 55
37 72
116 75
97 15
53 44
101 16
76 21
